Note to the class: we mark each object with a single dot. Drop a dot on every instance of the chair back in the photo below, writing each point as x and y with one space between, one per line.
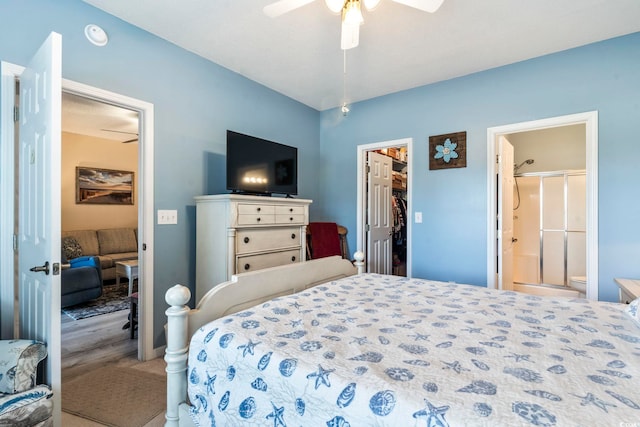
326 239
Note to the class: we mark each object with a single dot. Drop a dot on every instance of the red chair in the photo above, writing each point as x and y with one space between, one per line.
326 239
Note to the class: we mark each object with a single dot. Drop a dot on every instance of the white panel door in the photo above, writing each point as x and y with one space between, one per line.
39 206
505 215
379 220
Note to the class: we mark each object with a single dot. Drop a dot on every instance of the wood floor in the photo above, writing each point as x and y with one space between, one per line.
97 341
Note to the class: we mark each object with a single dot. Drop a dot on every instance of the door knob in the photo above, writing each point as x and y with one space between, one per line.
513 240
44 268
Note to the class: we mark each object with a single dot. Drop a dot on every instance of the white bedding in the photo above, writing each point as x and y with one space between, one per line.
374 350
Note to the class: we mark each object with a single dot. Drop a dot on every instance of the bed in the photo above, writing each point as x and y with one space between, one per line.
327 347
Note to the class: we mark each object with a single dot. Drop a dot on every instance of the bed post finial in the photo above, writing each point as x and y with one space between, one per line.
359 261
176 351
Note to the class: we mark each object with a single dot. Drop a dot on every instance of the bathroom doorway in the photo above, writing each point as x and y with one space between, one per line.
546 163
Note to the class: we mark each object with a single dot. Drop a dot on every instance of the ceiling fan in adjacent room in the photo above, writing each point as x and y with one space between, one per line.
120 131
351 13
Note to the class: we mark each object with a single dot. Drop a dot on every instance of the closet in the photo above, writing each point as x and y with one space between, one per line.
398 209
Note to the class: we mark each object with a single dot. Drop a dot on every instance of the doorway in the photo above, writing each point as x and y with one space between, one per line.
144 188
101 139
495 260
384 206
144 191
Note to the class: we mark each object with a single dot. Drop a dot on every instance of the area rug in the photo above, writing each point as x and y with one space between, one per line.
116 396
113 298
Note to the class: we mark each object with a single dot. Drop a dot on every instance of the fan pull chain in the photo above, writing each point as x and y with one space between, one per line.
345 109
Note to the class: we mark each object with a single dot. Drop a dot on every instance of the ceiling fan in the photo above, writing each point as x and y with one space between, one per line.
351 13
120 131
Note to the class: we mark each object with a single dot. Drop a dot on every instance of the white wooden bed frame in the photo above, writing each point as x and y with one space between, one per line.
242 291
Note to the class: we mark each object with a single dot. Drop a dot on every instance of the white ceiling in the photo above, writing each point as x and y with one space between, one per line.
299 55
86 116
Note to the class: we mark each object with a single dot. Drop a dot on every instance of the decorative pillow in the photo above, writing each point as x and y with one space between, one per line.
71 248
633 310
18 364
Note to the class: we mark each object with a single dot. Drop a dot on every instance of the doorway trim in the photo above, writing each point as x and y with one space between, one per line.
361 194
145 187
590 120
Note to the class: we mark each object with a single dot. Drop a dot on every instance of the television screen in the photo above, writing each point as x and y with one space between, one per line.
258 166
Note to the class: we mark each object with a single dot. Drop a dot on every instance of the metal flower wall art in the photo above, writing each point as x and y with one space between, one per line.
448 151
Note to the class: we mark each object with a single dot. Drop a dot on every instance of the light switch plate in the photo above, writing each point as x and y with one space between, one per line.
418 217
167 216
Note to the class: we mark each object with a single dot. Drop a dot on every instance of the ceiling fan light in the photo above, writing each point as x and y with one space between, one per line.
371 4
350 36
351 14
334 6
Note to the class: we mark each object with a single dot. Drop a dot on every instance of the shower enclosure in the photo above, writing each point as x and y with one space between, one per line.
549 227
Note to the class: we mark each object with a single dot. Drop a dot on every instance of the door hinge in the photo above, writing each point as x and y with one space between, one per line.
498 159
144 246
15 243
16 114
367 227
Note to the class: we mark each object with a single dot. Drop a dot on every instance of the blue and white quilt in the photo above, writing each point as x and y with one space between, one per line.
375 350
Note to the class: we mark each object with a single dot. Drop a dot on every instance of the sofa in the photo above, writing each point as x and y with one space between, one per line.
81 280
110 245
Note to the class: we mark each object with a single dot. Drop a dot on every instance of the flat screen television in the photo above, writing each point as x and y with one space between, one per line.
258 166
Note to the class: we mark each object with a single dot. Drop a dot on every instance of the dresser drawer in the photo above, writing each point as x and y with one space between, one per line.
289 210
256 214
256 219
290 214
273 259
290 219
265 239
254 208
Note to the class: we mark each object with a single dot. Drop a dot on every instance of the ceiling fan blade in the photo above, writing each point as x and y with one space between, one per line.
350 36
425 5
283 6
119 131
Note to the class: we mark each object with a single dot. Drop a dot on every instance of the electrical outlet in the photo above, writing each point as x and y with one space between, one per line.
418 217
167 216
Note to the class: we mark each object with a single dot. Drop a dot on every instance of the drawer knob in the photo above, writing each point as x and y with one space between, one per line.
259 209
290 219
246 240
246 267
293 258
290 209
258 219
293 235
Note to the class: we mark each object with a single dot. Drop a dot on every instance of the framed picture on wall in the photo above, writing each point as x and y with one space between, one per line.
103 186
448 151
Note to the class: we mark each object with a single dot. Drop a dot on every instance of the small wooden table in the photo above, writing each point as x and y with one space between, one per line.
128 269
629 289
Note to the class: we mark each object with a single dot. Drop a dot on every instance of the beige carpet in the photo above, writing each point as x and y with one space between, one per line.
116 396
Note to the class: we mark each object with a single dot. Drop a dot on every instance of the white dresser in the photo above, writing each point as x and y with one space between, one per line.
237 233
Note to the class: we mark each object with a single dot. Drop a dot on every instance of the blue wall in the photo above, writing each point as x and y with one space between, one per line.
195 102
451 242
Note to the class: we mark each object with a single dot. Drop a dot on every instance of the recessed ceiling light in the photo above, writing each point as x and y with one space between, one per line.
96 35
